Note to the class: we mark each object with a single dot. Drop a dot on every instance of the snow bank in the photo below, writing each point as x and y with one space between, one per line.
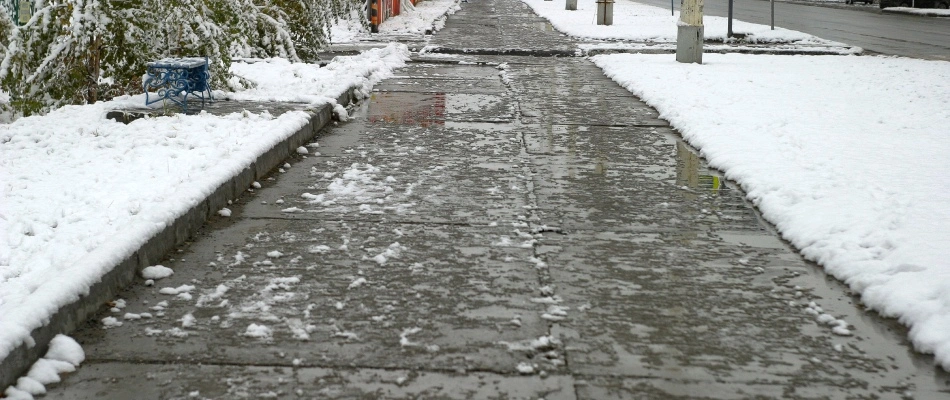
640 22
847 156
930 12
280 80
79 193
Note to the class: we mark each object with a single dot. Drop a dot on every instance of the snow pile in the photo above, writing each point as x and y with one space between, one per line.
79 193
157 272
643 23
259 332
278 79
63 356
362 185
847 156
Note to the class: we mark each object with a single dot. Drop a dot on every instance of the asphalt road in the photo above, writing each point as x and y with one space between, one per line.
895 34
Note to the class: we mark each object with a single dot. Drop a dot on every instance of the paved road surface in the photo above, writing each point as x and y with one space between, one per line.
895 34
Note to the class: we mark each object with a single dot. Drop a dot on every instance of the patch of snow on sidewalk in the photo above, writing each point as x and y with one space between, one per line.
79 193
847 156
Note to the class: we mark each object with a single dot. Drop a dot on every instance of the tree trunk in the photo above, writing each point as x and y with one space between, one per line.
92 70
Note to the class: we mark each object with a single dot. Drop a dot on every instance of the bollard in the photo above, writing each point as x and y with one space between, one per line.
605 12
689 33
571 5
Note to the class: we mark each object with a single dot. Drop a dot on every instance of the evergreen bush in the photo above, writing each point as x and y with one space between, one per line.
82 51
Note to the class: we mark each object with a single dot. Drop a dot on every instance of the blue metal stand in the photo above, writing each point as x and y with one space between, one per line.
176 79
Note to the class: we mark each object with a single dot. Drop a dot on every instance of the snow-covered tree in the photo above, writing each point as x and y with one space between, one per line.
81 51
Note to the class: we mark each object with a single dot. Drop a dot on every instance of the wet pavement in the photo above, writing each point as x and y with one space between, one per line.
495 226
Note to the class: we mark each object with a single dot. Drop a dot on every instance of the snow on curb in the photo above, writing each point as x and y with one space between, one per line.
64 356
845 155
86 202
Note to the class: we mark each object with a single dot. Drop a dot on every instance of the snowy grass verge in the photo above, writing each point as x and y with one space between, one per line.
847 156
640 22
79 193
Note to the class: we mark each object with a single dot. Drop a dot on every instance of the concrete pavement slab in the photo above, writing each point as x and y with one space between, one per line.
98 382
543 235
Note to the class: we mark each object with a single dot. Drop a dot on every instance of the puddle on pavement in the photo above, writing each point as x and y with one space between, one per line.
428 109
692 172
416 109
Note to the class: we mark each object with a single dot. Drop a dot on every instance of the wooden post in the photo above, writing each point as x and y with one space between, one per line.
689 35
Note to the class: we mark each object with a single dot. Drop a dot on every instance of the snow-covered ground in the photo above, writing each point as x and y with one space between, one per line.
428 14
79 193
413 20
846 155
642 23
930 12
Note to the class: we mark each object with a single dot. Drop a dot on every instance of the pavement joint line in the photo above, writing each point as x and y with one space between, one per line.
308 365
506 52
381 221
612 125
442 78
585 53
775 52
536 227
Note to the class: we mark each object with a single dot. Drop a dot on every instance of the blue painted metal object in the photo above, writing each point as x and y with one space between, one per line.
176 79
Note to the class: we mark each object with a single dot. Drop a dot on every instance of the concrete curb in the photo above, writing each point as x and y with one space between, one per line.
71 316
593 52
764 51
502 52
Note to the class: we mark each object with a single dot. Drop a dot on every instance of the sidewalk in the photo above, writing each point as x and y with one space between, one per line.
493 226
